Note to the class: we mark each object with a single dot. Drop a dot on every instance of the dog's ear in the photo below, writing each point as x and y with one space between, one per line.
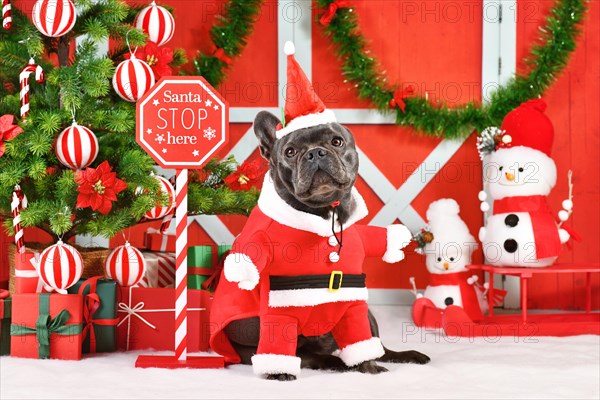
265 125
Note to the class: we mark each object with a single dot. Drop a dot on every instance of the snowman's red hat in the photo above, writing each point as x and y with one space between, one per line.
528 126
303 108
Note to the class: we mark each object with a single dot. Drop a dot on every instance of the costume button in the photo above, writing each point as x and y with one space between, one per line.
334 257
332 241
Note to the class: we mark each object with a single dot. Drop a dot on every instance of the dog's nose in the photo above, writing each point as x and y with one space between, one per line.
316 154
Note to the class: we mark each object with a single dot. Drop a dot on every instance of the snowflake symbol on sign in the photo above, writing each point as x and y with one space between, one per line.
209 133
160 138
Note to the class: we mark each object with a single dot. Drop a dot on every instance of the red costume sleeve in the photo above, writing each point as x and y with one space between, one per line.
374 239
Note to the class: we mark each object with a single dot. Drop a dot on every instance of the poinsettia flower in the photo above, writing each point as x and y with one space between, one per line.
248 175
98 187
8 130
158 58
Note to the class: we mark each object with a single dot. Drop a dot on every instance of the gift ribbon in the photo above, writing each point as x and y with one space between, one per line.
164 239
91 303
327 17
213 280
45 326
140 308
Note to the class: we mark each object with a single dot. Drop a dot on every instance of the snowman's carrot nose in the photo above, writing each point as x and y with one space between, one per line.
446 266
509 176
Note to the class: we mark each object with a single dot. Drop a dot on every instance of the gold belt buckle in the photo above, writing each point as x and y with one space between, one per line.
332 280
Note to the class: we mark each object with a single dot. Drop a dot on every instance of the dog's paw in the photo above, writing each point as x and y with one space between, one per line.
370 367
324 362
280 377
405 357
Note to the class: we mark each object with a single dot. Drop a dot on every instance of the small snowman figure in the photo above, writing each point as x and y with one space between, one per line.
522 230
447 246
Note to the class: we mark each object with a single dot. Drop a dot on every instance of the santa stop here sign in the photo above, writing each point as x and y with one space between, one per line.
182 121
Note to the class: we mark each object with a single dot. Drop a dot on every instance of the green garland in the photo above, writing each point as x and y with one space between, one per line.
548 59
229 38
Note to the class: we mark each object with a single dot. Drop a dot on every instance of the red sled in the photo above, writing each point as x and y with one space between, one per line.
457 323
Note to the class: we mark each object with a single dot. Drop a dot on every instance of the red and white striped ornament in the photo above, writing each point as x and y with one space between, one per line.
30 68
60 266
76 147
157 22
6 14
54 18
126 265
161 211
132 79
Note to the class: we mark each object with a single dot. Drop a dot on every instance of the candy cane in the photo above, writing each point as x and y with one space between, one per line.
6 14
18 203
24 81
181 194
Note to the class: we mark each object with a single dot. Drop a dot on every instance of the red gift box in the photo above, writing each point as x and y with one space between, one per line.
147 319
154 240
47 326
27 279
160 270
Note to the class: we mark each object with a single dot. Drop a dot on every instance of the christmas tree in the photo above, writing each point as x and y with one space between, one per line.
117 189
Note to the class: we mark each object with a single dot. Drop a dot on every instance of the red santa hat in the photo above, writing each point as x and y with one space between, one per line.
303 108
528 126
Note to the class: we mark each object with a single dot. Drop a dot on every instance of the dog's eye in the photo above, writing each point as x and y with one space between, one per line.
290 152
337 142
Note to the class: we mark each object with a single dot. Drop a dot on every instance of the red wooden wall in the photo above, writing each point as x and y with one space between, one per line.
437 47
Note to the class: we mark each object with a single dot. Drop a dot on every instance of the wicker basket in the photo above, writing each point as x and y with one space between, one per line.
93 260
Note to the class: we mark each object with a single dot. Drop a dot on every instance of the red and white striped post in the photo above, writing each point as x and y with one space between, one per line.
181 246
187 146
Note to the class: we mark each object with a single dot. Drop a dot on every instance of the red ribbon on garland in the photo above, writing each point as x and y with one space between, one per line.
91 303
327 17
219 54
400 95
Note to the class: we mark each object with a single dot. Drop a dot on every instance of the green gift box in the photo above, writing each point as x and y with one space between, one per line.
200 261
221 249
5 311
99 313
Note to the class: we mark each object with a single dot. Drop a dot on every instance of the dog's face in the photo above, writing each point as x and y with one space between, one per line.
313 167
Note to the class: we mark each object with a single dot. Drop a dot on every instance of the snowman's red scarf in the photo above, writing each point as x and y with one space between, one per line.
467 292
545 230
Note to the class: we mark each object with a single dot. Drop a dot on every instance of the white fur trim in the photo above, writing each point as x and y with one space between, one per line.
398 237
240 268
313 297
359 352
276 208
289 48
306 121
275 364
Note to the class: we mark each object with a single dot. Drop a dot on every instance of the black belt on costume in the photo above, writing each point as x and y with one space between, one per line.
334 281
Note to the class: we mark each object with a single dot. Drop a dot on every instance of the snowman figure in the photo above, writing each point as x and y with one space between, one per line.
522 231
447 246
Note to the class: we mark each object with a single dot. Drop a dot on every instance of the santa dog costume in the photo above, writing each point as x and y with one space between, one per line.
287 267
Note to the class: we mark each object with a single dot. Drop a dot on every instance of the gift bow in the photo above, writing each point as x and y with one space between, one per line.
91 304
327 17
45 326
400 95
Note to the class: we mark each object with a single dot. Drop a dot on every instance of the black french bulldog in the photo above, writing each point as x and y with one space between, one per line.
311 168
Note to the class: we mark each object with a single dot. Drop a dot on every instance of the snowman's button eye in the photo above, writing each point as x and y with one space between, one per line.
500 169
451 258
439 259
520 169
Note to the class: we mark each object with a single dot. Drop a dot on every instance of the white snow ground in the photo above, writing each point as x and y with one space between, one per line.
503 368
